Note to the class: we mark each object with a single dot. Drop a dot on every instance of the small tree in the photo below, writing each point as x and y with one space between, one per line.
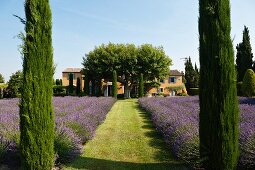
57 82
141 86
86 84
70 87
114 84
78 86
14 85
248 86
190 74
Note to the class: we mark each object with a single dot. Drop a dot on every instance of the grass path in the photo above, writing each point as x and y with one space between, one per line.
126 140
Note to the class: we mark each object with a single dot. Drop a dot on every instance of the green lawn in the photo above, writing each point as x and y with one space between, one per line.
126 140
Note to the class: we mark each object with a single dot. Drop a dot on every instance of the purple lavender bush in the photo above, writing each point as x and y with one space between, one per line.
76 120
177 119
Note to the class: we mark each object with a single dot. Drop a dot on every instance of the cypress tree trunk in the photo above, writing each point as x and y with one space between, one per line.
70 87
141 86
36 113
219 115
98 87
78 86
114 84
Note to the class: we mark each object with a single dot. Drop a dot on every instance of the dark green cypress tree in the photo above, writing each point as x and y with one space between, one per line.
93 87
78 86
141 86
70 86
98 87
60 82
189 74
86 84
219 115
114 84
36 113
244 55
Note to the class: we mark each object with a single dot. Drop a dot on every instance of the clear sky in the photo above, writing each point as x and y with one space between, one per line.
80 25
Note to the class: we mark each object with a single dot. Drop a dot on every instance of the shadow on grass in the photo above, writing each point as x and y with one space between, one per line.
100 164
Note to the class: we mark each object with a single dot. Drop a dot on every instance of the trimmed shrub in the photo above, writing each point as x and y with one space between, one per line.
193 91
248 86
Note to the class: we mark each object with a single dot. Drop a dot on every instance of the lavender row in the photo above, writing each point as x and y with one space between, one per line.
76 119
178 120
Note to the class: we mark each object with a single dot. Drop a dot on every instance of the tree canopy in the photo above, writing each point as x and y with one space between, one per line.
191 74
129 61
1 78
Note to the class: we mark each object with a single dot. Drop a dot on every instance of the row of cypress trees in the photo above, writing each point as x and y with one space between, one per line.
218 126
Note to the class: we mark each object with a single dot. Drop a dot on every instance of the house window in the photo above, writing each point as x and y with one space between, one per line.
172 79
161 90
162 81
70 74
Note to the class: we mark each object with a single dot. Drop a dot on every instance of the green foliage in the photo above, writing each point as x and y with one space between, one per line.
1 78
36 113
194 91
114 84
64 146
239 86
219 115
78 86
57 82
244 55
175 88
86 83
141 86
14 85
70 85
59 90
191 75
248 86
128 61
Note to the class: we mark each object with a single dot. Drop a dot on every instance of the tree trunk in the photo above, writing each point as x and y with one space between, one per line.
219 115
36 113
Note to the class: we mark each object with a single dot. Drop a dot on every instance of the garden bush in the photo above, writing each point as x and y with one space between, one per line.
193 91
248 86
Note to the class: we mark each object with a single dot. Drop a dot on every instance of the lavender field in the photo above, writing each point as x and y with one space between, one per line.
177 119
76 119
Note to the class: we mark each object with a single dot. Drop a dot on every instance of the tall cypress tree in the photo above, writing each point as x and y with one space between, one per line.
244 55
36 113
189 74
141 86
114 84
78 86
219 115
70 86
86 84
93 87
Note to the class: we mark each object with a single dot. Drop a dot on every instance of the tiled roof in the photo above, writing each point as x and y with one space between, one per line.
72 70
175 73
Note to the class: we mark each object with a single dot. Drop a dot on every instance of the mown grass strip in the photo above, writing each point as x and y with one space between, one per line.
126 140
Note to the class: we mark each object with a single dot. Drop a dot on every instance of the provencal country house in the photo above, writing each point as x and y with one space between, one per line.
170 86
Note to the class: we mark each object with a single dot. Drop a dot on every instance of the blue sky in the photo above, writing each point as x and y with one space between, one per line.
80 25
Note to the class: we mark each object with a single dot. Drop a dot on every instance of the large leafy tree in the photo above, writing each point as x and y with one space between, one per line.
14 85
128 61
219 115
244 55
36 113
1 78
